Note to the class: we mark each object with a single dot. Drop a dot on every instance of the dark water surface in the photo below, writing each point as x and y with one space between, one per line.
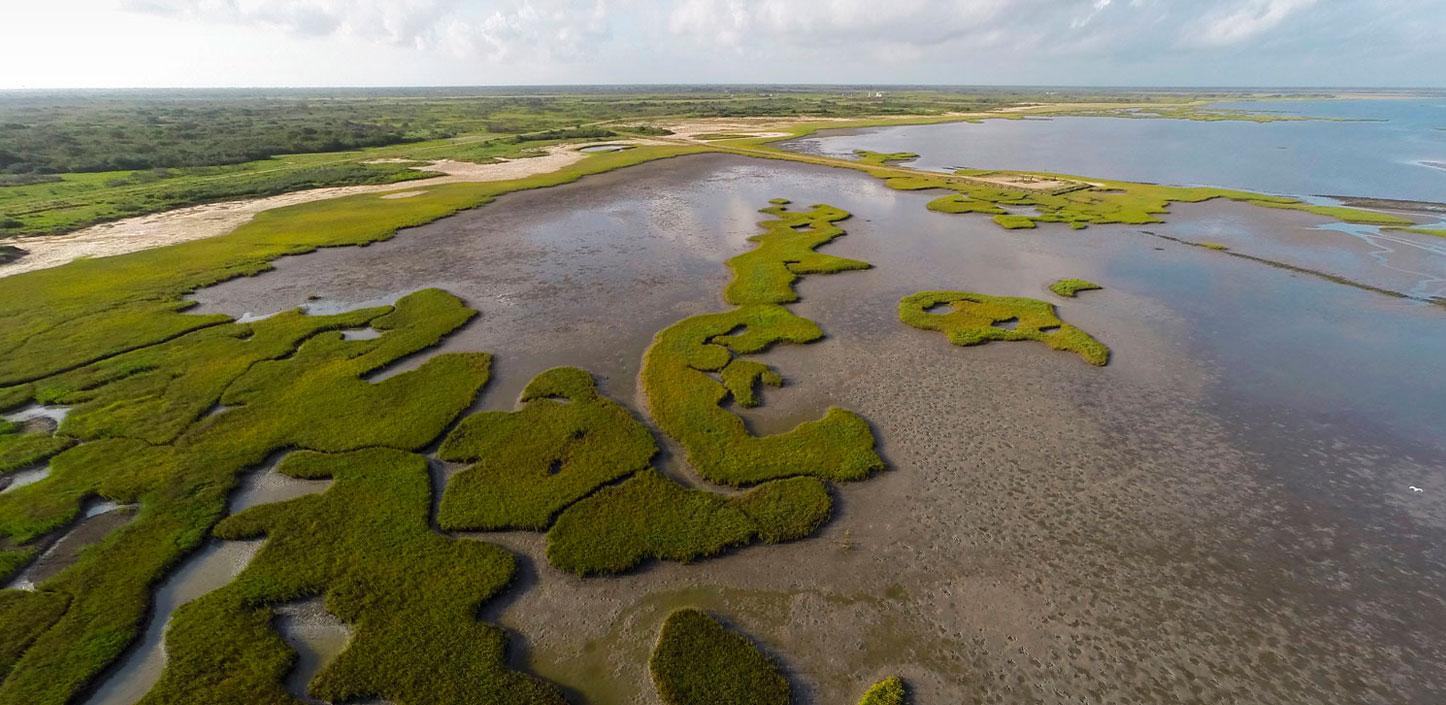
1400 153
1222 514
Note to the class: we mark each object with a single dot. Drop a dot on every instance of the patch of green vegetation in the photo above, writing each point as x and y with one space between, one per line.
959 203
698 661
678 368
785 251
741 377
973 319
684 400
869 157
22 450
410 595
572 133
1069 288
890 691
649 516
156 392
565 442
1434 232
78 200
25 615
316 398
1213 246
1341 213
1014 222
561 457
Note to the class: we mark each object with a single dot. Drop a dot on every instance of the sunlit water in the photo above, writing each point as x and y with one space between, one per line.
1390 149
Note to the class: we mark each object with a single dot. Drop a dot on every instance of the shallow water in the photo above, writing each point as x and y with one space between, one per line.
97 520
212 567
1222 514
1391 158
55 414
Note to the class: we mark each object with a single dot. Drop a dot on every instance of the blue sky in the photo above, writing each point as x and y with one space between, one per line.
123 43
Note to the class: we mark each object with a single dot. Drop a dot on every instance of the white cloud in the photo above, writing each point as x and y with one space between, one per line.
1248 20
493 30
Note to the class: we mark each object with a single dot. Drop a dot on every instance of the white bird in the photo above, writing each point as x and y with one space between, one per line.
1414 488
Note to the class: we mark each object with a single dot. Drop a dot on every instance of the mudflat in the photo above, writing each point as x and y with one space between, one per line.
1221 514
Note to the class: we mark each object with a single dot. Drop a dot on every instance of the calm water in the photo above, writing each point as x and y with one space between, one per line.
1390 157
1243 464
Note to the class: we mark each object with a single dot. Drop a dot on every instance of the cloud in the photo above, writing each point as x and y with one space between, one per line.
948 41
1248 20
495 30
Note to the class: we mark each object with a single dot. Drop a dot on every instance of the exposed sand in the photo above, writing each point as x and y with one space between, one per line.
753 127
211 219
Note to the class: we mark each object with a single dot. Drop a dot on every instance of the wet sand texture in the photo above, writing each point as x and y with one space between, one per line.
1200 521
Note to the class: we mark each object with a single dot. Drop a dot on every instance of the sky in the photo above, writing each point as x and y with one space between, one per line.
205 43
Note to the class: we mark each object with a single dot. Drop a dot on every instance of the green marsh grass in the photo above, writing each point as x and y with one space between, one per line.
1069 288
409 595
698 661
973 319
685 399
565 442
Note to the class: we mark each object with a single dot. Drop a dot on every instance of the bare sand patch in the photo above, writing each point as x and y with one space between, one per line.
212 219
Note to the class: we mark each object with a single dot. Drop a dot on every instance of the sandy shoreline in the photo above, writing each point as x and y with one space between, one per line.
212 219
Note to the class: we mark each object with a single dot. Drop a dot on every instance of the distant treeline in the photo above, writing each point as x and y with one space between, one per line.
44 132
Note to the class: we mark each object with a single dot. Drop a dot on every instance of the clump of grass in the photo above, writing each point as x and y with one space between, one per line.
698 661
565 442
784 251
649 516
22 450
18 395
1219 247
1093 201
684 398
410 595
973 318
1014 222
890 691
878 158
959 203
741 377
1068 288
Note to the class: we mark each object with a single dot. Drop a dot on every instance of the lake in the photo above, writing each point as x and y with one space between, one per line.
1389 149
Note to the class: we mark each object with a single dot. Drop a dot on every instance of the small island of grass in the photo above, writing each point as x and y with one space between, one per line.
871 157
1068 288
